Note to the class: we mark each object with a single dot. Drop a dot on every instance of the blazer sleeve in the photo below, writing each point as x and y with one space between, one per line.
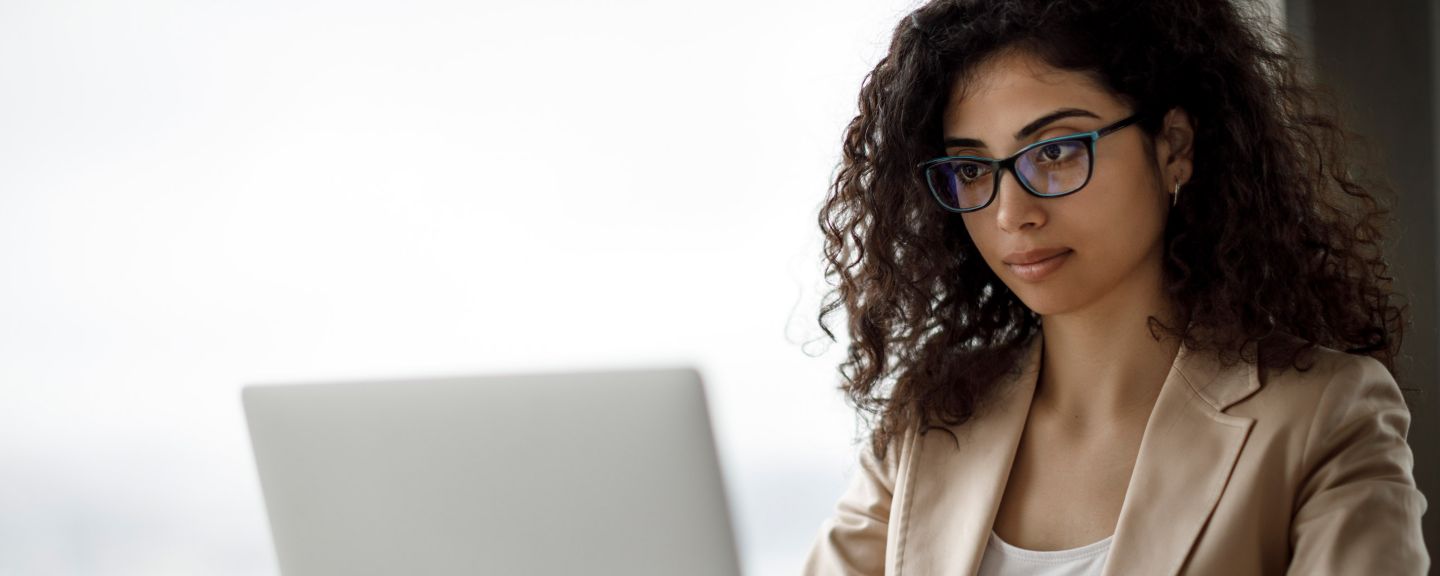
1358 510
852 541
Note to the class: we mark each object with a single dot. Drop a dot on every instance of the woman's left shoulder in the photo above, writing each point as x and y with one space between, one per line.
1319 388
1317 370
1325 387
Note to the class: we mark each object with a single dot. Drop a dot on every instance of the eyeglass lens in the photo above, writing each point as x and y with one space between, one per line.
1049 169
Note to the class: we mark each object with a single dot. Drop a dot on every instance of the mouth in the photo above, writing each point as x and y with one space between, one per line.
1039 269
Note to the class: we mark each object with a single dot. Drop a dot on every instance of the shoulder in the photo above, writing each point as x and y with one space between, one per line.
885 471
1326 399
1320 372
1321 392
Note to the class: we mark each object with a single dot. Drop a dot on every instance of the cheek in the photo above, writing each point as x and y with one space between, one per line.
983 233
1124 186
1124 215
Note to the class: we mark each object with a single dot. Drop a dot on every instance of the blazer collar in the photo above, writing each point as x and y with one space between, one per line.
953 491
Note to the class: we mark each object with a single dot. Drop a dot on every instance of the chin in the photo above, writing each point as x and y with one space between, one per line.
1046 301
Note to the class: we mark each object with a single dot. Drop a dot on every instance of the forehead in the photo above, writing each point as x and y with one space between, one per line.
1012 88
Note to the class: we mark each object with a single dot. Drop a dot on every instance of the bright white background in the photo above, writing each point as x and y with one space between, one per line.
197 195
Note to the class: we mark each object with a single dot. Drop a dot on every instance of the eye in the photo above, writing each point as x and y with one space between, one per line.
970 172
1056 152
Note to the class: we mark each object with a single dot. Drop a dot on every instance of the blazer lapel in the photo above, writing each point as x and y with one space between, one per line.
1186 455
954 494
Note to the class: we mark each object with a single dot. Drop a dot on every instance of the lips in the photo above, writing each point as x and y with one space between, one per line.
1039 267
1033 256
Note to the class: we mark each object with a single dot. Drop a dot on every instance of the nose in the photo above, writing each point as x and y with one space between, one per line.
1016 208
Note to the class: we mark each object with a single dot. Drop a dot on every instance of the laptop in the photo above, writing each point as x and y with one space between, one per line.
603 472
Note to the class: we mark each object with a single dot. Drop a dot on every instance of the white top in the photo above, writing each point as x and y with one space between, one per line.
1004 559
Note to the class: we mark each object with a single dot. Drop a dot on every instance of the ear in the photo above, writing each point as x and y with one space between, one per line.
1175 147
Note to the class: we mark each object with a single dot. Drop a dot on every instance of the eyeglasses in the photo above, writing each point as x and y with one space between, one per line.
1048 169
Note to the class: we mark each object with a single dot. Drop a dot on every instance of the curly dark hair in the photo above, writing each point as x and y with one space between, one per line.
1275 236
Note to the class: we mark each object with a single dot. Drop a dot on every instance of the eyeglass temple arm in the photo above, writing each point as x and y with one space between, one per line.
1133 118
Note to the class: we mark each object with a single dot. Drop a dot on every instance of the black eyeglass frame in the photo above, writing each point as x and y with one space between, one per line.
998 167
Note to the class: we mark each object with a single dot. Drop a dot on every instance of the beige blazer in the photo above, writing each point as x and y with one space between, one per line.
1300 473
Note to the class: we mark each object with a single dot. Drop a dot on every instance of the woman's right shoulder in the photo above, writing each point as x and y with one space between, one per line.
887 468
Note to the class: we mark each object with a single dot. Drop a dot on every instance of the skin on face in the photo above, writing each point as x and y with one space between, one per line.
1114 225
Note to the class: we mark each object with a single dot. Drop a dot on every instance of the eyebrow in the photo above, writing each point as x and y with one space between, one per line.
1029 129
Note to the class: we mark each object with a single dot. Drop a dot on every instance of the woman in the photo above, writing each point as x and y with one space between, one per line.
1116 302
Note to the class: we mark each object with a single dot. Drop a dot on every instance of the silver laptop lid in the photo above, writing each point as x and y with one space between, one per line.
584 473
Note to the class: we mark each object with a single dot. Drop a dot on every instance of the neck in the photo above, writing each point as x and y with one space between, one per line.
1100 365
